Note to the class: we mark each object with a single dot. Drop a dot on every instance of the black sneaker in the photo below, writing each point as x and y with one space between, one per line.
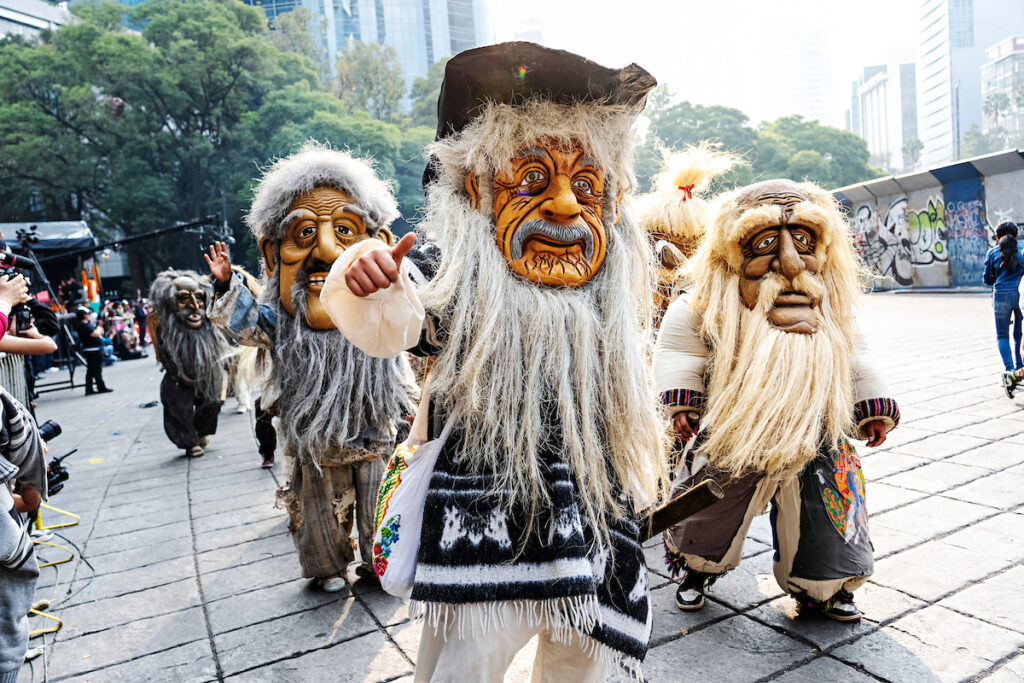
268 462
839 607
690 594
1009 384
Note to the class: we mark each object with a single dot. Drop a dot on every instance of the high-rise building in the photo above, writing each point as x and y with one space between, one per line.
886 106
1003 74
421 31
30 17
796 76
951 40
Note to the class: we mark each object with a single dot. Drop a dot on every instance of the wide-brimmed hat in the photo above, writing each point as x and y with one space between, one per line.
517 72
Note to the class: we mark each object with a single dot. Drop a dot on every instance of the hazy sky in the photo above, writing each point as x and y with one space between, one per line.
720 51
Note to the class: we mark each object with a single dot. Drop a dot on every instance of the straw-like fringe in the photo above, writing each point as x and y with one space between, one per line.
567 619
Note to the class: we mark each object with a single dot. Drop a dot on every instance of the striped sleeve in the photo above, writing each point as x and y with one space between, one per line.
15 544
884 409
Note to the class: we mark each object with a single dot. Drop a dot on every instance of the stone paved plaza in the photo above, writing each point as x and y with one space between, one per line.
191 576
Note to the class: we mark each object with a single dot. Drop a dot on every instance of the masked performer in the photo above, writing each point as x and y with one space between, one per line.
673 214
765 346
193 352
338 408
535 316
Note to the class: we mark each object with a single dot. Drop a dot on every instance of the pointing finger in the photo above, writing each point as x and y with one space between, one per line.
403 247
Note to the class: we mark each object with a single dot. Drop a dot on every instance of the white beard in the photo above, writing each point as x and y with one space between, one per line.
519 355
774 397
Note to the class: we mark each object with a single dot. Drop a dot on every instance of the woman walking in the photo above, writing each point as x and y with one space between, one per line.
1003 271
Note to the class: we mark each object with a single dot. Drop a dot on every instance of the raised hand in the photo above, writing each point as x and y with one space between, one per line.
378 267
219 261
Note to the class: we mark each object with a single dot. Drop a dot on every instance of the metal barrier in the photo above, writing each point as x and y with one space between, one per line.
12 376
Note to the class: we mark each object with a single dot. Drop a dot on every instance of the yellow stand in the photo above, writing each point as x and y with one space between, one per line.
39 517
37 610
71 555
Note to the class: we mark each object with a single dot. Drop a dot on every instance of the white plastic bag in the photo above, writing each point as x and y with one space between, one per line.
399 518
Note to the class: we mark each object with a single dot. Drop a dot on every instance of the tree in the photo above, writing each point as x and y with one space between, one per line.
424 94
846 155
370 79
807 165
787 147
297 31
975 143
912 148
674 126
686 123
995 105
133 130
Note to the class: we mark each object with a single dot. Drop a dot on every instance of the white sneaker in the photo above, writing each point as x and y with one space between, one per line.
331 585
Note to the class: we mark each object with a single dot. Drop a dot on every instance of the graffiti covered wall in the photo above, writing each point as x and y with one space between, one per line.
936 235
903 239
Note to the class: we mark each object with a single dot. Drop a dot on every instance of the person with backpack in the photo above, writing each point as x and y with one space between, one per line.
1004 268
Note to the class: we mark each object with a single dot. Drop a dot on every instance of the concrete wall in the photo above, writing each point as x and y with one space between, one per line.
936 232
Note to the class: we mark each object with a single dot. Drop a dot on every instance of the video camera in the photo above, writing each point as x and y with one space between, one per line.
31 312
56 472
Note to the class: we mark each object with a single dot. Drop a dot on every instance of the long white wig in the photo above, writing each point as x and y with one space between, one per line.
518 354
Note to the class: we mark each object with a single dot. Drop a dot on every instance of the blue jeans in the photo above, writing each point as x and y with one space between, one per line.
1007 304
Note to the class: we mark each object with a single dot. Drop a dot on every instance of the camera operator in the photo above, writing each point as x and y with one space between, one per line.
13 291
89 338
21 461
28 337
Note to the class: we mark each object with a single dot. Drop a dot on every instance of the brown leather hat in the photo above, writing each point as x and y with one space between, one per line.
511 73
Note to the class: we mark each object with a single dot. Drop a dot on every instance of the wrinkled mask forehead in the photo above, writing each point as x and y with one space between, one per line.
185 283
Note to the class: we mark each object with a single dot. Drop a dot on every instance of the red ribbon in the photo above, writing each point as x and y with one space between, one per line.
687 191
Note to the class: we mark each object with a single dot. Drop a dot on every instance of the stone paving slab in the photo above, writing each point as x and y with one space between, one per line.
196 580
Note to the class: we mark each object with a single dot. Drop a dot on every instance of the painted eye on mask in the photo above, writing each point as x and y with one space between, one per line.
804 241
308 231
765 244
532 177
583 185
343 230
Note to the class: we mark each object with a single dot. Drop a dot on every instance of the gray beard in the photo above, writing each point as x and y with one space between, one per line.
198 355
329 393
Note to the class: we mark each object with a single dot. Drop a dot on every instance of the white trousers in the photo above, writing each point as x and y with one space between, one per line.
443 657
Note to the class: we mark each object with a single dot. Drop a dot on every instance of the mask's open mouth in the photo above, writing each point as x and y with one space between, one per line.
315 281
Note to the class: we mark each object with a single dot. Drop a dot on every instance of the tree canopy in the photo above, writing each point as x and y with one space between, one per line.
370 78
790 147
174 119
133 130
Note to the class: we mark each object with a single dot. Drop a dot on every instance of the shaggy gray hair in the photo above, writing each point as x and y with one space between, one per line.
196 356
329 392
319 165
517 353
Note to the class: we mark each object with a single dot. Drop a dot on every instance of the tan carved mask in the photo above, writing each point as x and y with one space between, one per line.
548 213
321 225
190 302
784 252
